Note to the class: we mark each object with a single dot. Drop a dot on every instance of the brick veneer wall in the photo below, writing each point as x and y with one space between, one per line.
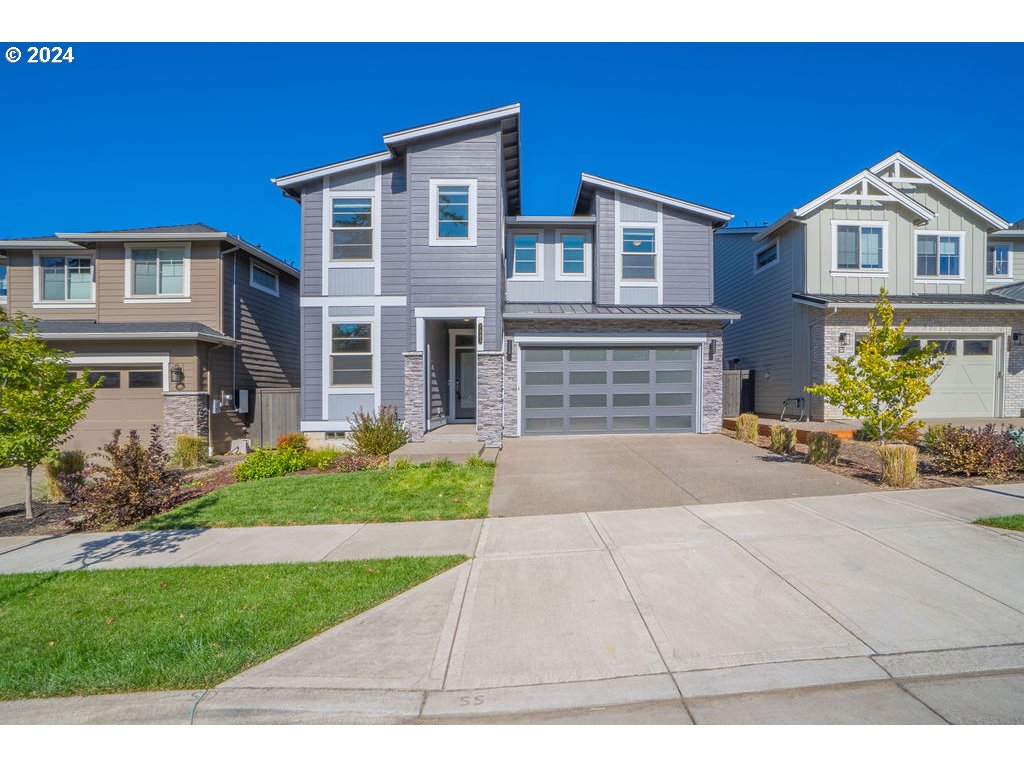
931 322
711 396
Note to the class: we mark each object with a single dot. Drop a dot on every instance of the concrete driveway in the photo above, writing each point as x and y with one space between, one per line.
542 476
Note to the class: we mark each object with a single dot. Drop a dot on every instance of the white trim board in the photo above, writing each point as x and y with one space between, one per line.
353 301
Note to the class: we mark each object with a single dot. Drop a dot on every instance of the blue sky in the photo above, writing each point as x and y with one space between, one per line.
140 135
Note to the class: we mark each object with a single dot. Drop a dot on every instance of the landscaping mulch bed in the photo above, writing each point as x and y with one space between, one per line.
859 460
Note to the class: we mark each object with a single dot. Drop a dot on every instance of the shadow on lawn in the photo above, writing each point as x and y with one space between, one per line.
133 544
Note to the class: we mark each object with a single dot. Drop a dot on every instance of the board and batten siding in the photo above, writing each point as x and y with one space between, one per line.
902 246
763 338
456 275
550 288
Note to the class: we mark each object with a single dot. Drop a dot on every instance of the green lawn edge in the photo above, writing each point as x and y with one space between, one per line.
442 491
70 633
1009 522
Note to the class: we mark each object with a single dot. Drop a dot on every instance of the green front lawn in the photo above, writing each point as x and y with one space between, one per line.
442 491
1013 522
82 632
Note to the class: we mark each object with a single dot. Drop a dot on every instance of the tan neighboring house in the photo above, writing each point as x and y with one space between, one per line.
184 324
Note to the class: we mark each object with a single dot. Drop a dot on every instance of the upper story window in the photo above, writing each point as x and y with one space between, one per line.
156 272
997 261
351 355
65 279
263 279
453 212
859 246
3 278
639 253
939 254
526 256
574 261
352 229
766 257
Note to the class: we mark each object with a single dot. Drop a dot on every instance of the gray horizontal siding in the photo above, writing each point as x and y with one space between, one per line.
550 288
312 363
312 239
637 295
394 235
341 407
687 271
350 311
605 247
394 341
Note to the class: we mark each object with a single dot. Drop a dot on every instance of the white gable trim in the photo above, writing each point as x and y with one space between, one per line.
672 202
327 170
902 162
419 132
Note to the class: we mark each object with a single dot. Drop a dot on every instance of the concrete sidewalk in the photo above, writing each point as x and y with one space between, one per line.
871 608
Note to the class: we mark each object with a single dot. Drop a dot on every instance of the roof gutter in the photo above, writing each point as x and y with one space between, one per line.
113 336
902 305
618 316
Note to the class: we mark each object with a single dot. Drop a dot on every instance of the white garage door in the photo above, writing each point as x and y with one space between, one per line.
967 384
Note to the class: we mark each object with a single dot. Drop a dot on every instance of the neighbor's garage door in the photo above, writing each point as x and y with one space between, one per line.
591 390
967 384
128 398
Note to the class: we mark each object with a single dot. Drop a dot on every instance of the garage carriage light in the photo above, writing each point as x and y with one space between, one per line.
177 374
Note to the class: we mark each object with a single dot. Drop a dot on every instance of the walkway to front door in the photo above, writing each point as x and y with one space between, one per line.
553 475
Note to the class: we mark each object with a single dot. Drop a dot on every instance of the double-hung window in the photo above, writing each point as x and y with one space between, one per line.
997 261
452 212
574 255
66 279
639 253
157 271
352 229
525 255
860 246
351 355
939 254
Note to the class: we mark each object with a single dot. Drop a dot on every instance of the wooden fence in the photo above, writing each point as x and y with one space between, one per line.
275 413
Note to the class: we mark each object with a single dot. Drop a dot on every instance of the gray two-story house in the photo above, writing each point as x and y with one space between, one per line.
424 287
807 283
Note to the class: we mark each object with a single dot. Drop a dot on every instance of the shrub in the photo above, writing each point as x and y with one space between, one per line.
823 448
782 439
987 451
352 462
295 441
133 483
378 434
933 436
63 474
189 451
746 428
403 464
899 464
322 459
263 463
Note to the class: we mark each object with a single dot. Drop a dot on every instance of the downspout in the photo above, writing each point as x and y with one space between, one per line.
234 327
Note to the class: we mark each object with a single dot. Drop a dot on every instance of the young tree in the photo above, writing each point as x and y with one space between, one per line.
39 403
885 378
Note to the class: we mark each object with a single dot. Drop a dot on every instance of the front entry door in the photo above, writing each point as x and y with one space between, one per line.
465 378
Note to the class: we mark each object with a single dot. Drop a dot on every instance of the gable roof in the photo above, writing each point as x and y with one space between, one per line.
588 182
857 187
197 231
507 115
899 162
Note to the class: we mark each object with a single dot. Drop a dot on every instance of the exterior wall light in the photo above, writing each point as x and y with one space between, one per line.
177 374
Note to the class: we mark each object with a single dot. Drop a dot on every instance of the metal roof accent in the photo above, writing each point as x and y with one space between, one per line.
81 330
920 301
584 311
589 180
566 220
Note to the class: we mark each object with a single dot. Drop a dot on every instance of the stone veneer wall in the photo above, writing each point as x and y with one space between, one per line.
711 396
825 341
414 387
185 413
489 397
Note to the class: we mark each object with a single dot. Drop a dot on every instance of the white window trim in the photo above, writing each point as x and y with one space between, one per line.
253 266
527 277
449 242
1008 277
861 272
37 275
659 253
960 277
374 344
163 298
588 255
330 195
329 389
772 244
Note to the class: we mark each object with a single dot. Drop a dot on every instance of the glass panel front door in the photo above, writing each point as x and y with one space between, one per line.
465 383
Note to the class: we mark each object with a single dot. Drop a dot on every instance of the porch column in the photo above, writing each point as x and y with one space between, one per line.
489 398
415 411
